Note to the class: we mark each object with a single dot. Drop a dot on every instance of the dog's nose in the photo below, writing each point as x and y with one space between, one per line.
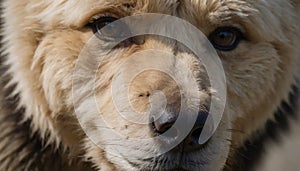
163 123
168 119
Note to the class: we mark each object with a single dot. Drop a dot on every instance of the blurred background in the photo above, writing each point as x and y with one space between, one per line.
284 156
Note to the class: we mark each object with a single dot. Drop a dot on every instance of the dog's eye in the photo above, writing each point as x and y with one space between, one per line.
110 28
226 38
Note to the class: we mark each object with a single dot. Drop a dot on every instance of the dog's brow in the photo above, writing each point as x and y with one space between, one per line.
232 10
219 11
76 14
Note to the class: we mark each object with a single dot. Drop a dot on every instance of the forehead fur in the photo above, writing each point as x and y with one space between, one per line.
255 15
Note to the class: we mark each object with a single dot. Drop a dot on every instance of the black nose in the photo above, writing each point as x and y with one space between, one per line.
167 120
163 123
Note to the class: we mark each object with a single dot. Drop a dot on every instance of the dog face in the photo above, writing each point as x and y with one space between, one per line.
255 41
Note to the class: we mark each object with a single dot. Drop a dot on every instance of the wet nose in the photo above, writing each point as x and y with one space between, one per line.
163 123
167 120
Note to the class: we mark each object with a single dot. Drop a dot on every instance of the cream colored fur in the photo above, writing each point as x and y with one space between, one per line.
44 38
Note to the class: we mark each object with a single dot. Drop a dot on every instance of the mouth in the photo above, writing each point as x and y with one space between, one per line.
188 154
170 162
178 159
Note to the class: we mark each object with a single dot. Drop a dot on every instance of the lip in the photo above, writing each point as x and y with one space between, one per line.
173 164
174 160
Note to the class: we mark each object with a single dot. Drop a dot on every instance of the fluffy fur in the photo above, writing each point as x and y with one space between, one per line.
41 41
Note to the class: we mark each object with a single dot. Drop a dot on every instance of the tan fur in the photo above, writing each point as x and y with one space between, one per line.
43 40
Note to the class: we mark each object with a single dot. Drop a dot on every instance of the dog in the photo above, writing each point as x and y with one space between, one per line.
47 116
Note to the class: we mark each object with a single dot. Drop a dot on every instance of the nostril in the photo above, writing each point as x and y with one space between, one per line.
195 135
163 124
166 131
163 128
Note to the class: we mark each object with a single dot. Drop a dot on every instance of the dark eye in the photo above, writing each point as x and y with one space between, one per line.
226 38
110 28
